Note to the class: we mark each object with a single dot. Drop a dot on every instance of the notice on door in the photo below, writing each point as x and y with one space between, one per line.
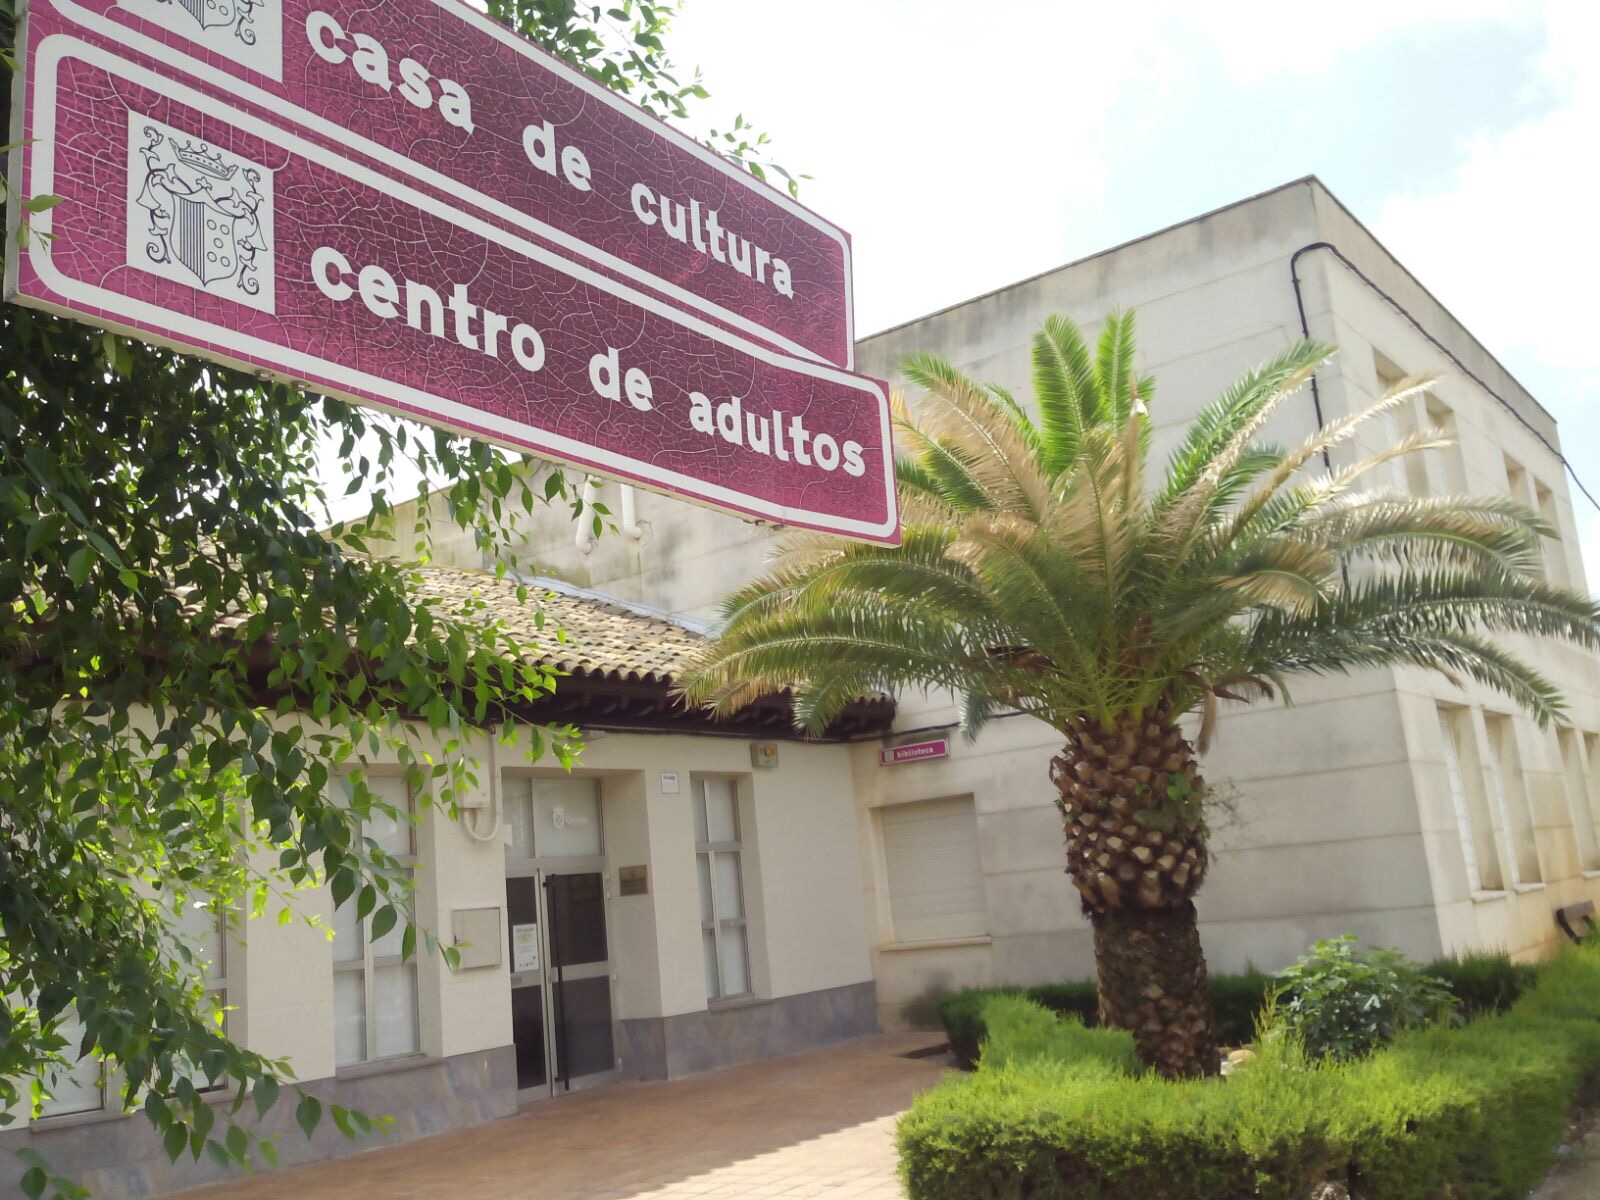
524 948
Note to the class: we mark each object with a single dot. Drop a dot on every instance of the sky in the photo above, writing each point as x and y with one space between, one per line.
965 146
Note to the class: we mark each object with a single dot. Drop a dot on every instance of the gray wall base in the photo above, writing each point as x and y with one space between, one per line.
120 1158
686 1044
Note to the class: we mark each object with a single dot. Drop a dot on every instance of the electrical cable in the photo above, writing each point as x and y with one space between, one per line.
1316 396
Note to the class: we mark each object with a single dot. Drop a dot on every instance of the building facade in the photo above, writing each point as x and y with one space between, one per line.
699 893
1396 804
675 904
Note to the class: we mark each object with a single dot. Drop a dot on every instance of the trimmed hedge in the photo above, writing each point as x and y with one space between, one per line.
1484 983
1059 1112
1238 998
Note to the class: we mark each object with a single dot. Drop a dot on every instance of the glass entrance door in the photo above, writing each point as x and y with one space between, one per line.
579 979
528 991
561 1014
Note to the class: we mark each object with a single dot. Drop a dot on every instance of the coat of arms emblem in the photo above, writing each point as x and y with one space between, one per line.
250 32
221 14
204 216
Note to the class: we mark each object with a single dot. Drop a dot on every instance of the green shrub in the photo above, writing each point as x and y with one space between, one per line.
1471 1112
1023 1031
1343 1002
961 1014
1483 983
1238 1000
1079 999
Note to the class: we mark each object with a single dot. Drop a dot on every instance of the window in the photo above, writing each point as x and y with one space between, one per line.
1433 472
1511 798
203 930
934 871
197 925
1465 780
1581 785
374 992
84 1087
552 818
80 1088
718 852
1555 554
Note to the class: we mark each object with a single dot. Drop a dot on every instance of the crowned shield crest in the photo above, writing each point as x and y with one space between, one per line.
205 216
223 14
250 32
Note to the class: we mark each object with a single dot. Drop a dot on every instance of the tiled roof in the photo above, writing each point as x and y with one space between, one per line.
604 638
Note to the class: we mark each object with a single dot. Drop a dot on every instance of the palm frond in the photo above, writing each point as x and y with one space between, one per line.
1036 572
1326 438
1065 389
1220 422
960 413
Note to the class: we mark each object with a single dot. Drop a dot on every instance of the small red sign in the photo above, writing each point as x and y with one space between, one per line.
893 756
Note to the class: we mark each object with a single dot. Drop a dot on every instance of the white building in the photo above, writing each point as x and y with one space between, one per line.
698 894
1393 804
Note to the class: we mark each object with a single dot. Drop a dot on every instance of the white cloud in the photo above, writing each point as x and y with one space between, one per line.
1507 245
1257 39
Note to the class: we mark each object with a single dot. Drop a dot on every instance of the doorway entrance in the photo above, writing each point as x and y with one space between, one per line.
562 1017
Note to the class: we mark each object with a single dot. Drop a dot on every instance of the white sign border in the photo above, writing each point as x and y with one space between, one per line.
205 339
159 51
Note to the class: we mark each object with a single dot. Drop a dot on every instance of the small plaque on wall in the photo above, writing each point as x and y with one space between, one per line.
633 881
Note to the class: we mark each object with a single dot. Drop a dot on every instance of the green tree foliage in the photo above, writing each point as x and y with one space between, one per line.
187 666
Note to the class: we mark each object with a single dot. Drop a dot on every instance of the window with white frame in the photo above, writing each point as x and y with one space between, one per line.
1464 777
374 991
934 870
204 931
1511 797
80 1088
1581 802
719 853
84 1087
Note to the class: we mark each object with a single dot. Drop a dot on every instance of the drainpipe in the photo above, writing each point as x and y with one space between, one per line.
584 538
630 514
1305 332
469 817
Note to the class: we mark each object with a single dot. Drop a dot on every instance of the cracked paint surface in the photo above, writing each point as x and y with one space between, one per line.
461 112
383 291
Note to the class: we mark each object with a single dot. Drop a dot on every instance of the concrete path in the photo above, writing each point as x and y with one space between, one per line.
1577 1175
811 1126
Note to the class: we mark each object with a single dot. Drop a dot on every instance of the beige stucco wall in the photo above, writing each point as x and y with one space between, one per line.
801 883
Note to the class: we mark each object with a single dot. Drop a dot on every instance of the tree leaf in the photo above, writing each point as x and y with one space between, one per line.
308 1113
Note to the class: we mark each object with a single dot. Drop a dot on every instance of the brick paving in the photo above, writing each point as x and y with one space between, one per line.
810 1126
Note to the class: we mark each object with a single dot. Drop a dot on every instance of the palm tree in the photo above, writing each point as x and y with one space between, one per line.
1038 572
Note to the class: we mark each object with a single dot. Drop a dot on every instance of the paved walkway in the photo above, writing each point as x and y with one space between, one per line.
811 1126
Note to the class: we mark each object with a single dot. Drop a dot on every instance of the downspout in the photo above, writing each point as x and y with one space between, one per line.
584 537
630 514
1305 332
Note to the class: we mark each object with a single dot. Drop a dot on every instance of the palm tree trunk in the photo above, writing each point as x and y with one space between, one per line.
1152 982
1131 799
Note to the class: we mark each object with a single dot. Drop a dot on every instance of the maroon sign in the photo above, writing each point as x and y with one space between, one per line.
186 220
438 94
914 752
